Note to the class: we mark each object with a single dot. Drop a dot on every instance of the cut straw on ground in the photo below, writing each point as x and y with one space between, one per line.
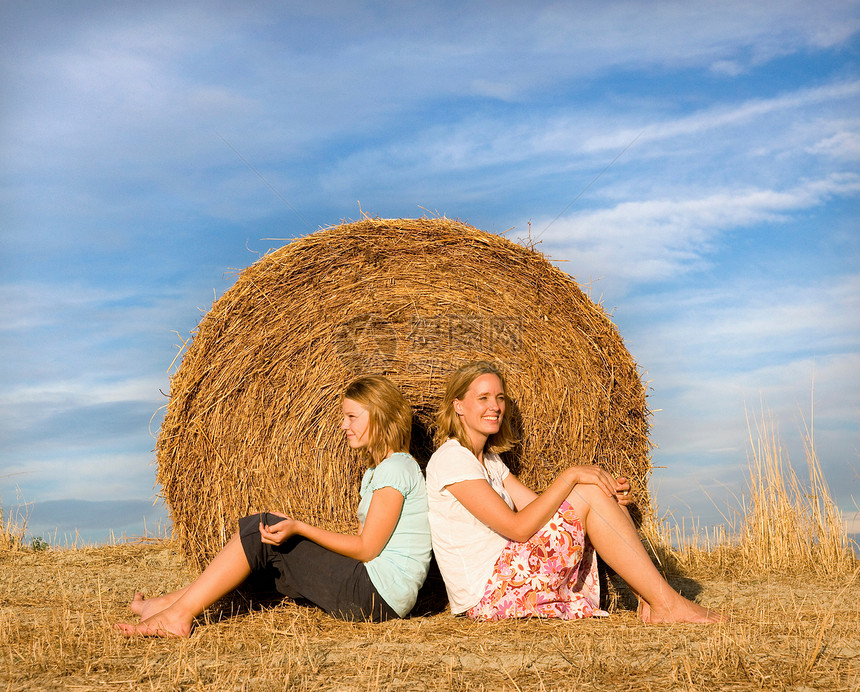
789 629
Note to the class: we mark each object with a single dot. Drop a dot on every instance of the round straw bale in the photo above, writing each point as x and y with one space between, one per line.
253 418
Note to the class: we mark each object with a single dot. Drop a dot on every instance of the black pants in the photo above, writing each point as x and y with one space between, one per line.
303 570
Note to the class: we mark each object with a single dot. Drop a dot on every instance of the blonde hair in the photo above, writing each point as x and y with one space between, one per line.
390 415
448 423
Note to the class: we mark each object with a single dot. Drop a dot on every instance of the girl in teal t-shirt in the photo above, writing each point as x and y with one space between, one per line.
374 574
400 569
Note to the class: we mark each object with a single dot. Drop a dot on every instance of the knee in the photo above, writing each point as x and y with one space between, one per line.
586 496
581 498
588 493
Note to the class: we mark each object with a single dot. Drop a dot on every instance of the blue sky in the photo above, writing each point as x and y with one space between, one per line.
694 165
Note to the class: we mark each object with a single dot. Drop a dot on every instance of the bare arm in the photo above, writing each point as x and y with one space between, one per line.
522 495
486 506
382 517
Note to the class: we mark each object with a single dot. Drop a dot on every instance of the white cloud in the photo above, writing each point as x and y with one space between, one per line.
657 240
705 435
144 67
83 392
29 305
728 67
786 354
723 116
690 34
747 145
96 475
703 410
81 437
498 90
787 351
841 145
748 321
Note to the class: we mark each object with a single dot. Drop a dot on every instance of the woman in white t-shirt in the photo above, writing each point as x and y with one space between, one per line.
505 551
372 575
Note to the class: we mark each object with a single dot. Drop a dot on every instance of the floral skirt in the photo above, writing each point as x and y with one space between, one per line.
552 575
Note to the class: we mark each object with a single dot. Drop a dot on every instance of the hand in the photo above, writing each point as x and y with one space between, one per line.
622 491
593 475
619 488
276 534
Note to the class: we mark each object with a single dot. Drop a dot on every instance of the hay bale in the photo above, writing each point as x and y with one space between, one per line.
253 417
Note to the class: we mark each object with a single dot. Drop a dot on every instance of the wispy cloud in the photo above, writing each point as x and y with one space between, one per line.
713 357
707 120
753 318
101 472
656 240
561 151
843 144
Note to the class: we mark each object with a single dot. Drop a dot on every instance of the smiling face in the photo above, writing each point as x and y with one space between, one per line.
481 409
356 424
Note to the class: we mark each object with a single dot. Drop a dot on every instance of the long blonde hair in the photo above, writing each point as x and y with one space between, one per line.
448 423
390 415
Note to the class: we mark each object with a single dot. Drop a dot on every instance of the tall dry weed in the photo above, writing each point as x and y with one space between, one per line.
783 526
789 525
13 526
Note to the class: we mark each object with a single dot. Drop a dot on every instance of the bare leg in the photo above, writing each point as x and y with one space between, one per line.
227 571
643 610
614 537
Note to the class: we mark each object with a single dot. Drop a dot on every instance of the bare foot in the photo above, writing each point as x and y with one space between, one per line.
163 624
147 607
138 604
679 610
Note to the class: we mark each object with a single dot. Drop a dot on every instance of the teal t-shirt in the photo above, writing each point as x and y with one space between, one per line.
401 568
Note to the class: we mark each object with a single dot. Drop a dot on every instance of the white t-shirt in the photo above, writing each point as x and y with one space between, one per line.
466 550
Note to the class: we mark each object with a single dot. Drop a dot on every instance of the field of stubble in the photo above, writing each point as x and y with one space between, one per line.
57 607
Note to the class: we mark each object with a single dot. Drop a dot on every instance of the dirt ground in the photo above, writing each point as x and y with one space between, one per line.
57 607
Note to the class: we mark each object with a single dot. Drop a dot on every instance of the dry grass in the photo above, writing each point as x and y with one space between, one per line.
13 527
57 606
795 623
784 526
